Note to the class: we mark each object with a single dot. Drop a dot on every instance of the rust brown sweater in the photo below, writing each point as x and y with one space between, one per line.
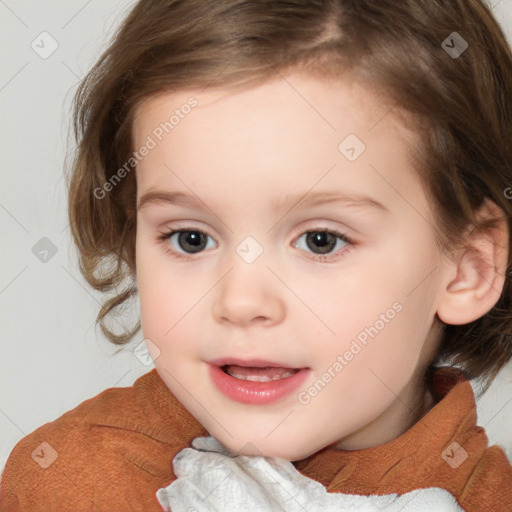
113 451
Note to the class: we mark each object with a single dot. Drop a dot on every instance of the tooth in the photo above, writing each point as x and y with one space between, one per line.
262 378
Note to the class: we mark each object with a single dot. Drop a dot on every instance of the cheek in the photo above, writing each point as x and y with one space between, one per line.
393 354
171 308
376 370
158 291
384 316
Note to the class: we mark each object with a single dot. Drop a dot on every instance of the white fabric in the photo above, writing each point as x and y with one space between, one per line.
211 479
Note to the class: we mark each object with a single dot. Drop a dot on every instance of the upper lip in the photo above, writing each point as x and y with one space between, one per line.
223 361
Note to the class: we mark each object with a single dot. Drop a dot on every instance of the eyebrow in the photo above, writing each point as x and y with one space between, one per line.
286 202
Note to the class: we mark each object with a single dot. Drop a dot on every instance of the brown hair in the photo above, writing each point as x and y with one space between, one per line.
461 105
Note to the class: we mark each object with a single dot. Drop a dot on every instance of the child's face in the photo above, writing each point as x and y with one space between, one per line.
362 321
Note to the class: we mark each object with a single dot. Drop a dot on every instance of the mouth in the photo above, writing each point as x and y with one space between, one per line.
258 374
256 381
256 370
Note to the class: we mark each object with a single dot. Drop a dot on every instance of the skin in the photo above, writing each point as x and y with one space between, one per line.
237 151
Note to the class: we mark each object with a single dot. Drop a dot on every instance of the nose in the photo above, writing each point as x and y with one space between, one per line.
249 294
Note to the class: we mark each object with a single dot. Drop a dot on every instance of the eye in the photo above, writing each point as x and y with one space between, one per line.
192 241
325 241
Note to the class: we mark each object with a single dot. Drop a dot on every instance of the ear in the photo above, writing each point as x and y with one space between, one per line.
476 277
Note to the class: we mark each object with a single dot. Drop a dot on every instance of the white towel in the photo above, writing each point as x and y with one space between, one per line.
212 479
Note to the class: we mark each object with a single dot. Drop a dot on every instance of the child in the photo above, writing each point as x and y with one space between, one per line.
311 200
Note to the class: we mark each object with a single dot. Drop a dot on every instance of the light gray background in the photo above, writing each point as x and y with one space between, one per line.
52 357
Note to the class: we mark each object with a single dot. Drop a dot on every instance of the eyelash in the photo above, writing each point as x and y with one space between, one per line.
165 236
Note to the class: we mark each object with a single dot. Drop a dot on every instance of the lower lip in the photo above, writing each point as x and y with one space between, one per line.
257 393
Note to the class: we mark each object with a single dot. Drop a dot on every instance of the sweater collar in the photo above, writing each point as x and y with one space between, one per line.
427 444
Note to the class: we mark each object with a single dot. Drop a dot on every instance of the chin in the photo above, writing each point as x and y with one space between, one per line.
290 454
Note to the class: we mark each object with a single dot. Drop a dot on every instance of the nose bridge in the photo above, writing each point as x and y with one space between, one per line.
246 292
250 250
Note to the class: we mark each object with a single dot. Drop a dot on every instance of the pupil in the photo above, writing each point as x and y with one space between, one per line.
321 240
193 239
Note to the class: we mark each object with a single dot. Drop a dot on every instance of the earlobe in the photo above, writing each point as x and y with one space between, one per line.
479 271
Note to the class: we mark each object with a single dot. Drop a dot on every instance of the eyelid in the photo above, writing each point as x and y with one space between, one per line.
319 227
311 226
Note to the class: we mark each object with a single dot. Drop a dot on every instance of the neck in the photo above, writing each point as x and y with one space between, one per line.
405 411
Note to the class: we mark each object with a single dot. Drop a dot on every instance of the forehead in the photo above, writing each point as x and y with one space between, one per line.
315 98
288 132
